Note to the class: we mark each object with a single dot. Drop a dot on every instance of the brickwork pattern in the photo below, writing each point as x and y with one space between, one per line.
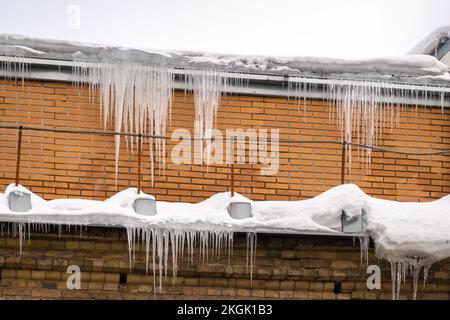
287 267
56 165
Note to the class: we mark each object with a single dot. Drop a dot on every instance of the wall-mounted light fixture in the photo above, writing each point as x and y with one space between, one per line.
240 210
19 201
145 206
352 224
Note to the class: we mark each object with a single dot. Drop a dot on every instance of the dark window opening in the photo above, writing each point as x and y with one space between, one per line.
122 278
337 287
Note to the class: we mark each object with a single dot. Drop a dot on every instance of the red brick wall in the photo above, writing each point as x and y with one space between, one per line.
56 165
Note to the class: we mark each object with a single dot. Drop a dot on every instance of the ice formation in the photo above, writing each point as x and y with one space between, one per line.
137 97
399 271
363 109
251 254
163 242
411 236
207 87
14 68
135 86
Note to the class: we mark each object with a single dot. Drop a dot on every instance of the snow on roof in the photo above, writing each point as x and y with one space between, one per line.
431 42
400 67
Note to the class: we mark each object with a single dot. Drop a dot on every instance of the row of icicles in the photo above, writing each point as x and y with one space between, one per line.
399 271
138 99
210 246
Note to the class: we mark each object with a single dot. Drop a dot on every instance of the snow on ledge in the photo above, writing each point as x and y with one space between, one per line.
318 214
409 235
399 229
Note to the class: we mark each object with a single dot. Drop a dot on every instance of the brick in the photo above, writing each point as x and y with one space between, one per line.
76 294
38 275
112 277
272 294
87 245
72 244
343 264
101 246
287 285
8 273
24 274
46 293
301 285
272 285
52 275
100 277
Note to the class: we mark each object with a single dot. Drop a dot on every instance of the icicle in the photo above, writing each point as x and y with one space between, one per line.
207 86
15 68
364 242
22 235
364 109
139 98
165 241
399 268
415 274
251 255
130 238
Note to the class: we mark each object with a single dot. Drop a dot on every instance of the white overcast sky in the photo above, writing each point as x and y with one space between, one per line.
334 28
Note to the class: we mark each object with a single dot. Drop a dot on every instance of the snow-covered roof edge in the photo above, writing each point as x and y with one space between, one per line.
412 68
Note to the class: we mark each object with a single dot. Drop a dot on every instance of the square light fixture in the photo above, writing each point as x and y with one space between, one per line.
352 224
19 201
240 210
145 206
